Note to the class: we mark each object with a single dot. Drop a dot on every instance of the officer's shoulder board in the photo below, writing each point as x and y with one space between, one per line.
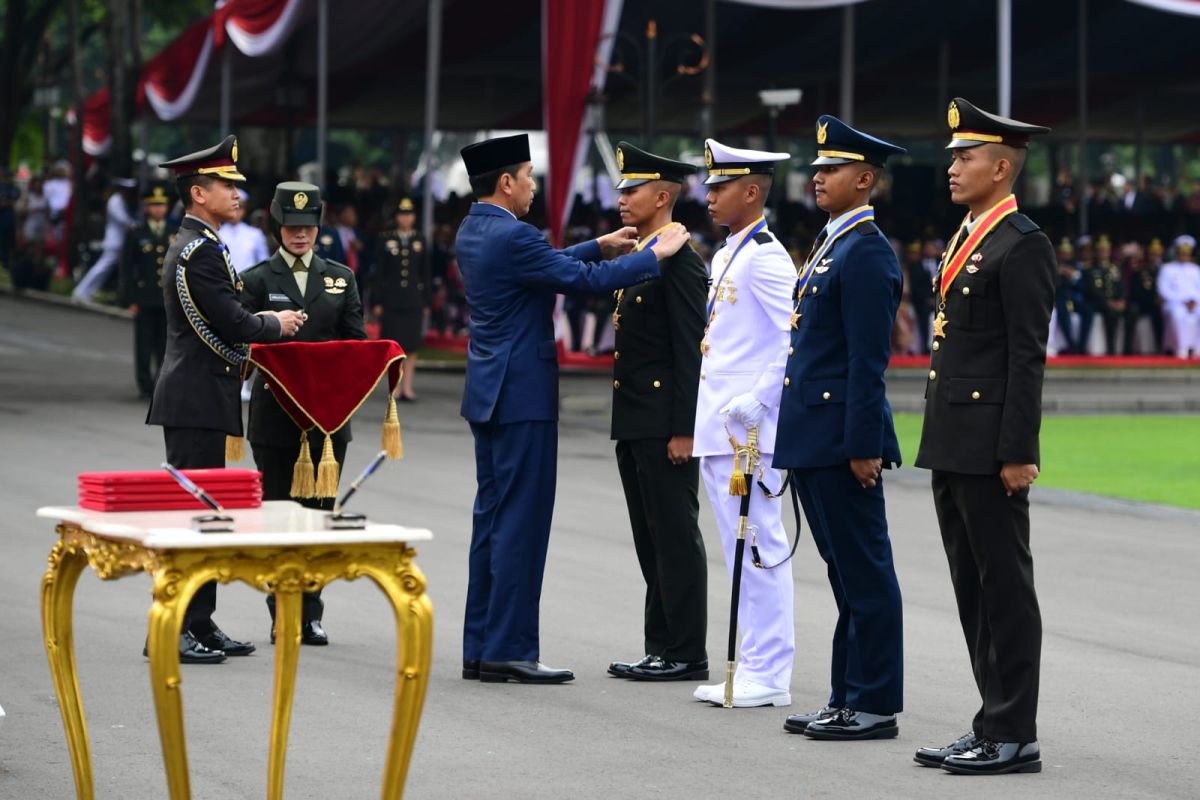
1023 223
337 265
190 248
257 268
867 228
763 237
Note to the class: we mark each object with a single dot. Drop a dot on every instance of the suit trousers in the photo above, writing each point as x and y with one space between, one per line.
516 468
766 615
849 528
275 464
663 514
149 347
197 448
986 536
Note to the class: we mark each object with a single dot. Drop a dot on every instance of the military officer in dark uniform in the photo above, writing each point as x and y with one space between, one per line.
1104 288
140 287
197 397
656 373
401 288
983 410
297 279
836 435
1142 300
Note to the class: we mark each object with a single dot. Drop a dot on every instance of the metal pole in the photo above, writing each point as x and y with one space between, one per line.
322 89
1139 149
651 67
846 106
708 113
433 63
1083 123
1004 55
227 88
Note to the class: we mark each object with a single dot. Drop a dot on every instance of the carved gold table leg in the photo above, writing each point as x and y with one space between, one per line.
173 590
287 653
58 591
405 587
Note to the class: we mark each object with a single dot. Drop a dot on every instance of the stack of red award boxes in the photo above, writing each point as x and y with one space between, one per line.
156 490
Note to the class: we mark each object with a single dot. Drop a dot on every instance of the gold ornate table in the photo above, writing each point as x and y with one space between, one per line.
281 548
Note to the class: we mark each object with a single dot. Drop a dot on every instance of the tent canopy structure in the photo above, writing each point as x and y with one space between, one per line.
910 55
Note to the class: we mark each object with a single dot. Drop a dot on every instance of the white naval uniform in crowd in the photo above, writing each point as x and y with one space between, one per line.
1178 282
117 223
745 350
247 244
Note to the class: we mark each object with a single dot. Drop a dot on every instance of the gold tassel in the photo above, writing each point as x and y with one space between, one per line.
235 448
327 471
304 481
737 481
391 431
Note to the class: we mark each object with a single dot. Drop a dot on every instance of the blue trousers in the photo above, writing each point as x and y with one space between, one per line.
849 528
516 468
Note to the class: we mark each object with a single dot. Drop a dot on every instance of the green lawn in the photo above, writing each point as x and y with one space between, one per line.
1151 458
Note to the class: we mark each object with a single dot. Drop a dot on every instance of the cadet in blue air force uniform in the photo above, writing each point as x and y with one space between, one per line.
835 433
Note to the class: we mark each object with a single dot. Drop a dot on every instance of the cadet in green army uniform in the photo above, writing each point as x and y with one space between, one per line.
295 278
140 287
401 288
656 374
1105 292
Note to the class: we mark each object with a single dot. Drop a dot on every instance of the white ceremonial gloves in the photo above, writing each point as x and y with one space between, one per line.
746 409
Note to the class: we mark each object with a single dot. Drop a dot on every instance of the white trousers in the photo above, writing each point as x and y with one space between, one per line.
1182 329
95 277
766 618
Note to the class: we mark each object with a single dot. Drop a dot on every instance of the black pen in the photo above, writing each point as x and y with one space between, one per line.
366 473
192 489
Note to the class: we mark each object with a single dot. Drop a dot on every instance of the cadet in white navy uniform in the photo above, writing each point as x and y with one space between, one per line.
836 433
744 352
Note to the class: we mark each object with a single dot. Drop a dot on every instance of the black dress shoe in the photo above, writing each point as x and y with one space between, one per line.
934 756
659 669
192 652
311 632
849 725
797 723
470 670
522 672
996 758
620 669
216 639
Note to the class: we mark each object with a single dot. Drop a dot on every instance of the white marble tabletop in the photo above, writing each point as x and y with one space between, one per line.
278 523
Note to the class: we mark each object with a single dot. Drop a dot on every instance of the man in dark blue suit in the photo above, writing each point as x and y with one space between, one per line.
835 433
512 275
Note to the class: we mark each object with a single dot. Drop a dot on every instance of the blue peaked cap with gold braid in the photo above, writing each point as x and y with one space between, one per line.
838 143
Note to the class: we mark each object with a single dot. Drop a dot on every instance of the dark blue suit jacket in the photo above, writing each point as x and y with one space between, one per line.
511 275
834 406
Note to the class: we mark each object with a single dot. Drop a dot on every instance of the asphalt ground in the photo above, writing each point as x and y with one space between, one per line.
1117 581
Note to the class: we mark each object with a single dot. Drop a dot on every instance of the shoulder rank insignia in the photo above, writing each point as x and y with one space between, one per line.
190 248
211 235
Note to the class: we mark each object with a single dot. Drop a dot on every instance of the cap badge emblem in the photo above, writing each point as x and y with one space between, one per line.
708 158
300 200
620 159
233 152
822 132
952 116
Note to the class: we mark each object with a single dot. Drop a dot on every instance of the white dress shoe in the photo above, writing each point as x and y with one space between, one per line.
748 694
713 693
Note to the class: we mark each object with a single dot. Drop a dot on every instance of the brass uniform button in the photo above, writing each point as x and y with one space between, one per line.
932 374
966 290
791 351
403 273
826 396
638 299
616 354
658 384
974 395
816 289
403 284
701 376
787 381
404 252
937 346
616 384
404 262
227 368
141 284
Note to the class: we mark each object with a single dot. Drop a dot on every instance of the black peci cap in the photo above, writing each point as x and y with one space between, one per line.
493 154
